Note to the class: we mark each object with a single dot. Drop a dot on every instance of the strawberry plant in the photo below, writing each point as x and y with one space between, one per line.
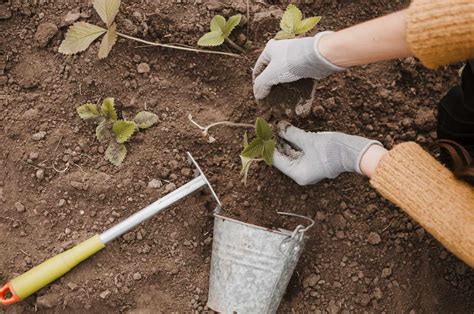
220 32
293 24
82 34
112 130
259 149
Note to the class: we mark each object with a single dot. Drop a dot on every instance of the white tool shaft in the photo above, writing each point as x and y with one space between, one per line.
152 209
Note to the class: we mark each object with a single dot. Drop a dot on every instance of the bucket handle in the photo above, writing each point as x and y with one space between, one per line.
297 234
299 228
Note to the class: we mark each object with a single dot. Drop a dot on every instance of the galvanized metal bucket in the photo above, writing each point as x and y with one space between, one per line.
251 265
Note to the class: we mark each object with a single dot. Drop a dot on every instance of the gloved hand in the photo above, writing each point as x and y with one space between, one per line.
290 60
325 154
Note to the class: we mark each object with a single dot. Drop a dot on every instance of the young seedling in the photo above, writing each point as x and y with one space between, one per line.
113 131
220 32
259 149
82 34
293 24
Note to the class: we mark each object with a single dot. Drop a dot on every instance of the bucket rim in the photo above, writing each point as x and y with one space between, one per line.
279 231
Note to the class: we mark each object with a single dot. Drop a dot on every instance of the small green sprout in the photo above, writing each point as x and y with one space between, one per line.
293 24
260 148
220 32
113 131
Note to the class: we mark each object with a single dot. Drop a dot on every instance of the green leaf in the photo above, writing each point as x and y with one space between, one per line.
307 24
231 24
246 140
268 149
263 129
102 131
116 153
211 39
284 35
145 119
108 41
88 111
218 24
108 109
254 149
107 10
246 162
123 130
291 18
79 36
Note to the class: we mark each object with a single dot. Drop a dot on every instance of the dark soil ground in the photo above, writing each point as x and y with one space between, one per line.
363 254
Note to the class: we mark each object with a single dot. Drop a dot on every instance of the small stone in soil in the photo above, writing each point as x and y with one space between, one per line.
70 18
170 187
47 301
311 280
386 272
105 294
20 207
38 136
137 276
374 238
61 202
40 174
143 68
34 155
44 33
155 184
72 286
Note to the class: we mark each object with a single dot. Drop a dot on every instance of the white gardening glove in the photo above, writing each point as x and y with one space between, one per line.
284 61
324 154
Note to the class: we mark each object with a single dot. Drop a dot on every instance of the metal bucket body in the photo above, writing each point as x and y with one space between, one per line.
250 266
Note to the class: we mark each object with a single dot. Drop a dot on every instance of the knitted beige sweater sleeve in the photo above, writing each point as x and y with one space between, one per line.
441 31
428 192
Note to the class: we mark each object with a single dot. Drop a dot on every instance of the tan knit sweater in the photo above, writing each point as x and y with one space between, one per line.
438 32
428 192
441 31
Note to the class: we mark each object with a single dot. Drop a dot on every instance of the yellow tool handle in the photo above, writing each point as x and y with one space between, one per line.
35 279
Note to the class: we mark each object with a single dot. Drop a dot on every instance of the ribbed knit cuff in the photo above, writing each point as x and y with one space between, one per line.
410 178
441 32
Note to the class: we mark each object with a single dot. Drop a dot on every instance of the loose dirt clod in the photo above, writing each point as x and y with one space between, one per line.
374 238
20 207
105 294
155 184
38 136
47 301
143 68
45 33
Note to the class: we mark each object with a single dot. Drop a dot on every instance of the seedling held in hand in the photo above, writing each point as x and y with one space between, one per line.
293 24
261 148
81 34
220 32
113 131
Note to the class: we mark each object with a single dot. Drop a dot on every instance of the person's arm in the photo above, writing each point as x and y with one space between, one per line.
380 39
437 32
406 175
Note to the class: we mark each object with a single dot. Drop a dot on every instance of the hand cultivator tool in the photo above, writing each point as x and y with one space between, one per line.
37 278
